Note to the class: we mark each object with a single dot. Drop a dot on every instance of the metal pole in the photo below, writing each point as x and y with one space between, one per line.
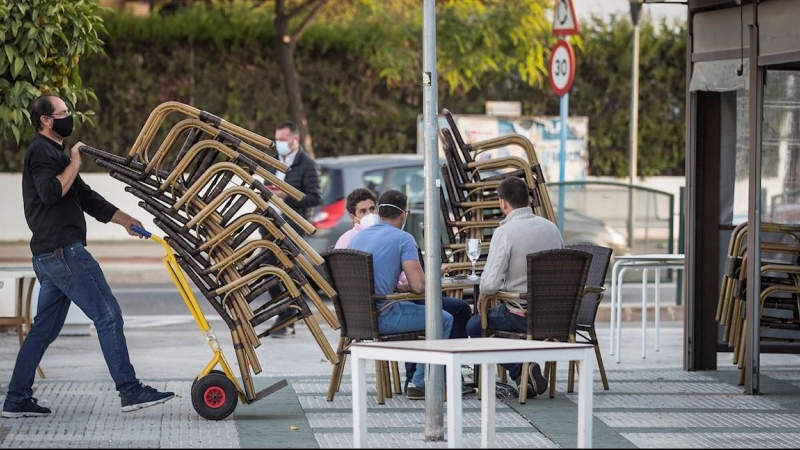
562 156
752 352
434 383
636 12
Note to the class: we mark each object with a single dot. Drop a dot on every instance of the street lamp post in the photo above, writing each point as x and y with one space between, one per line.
636 13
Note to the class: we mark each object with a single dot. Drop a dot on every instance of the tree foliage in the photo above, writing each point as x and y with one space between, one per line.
478 41
360 66
602 91
43 42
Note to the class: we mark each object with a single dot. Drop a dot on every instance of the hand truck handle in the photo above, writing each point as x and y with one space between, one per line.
141 231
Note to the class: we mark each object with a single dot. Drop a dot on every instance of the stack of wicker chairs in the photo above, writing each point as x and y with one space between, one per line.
468 193
202 184
779 296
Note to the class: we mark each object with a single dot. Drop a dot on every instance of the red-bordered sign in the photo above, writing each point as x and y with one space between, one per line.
562 67
565 22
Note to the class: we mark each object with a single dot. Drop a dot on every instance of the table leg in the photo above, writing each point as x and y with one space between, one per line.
476 292
644 313
618 330
454 417
614 299
359 368
658 308
488 372
585 398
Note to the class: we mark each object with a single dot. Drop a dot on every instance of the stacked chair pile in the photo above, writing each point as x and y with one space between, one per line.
468 195
779 296
202 184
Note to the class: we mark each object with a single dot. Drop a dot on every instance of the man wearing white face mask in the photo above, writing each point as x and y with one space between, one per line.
303 176
394 251
361 206
304 173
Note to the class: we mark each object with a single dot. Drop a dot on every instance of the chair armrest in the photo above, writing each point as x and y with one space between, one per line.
499 296
402 296
593 290
398 297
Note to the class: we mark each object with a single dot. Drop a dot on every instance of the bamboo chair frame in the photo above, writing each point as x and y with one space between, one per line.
355 315
196 151
194 127
727 307
160 112
592 296
559 276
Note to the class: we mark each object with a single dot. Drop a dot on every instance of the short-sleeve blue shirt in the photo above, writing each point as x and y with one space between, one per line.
390 247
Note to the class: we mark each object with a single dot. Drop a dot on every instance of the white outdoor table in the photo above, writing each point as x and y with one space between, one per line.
488 352
636 262
24 280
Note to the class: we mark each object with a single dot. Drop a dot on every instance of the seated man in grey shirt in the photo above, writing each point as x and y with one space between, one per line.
520 233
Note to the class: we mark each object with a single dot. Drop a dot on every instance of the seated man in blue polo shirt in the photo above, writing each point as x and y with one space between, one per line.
394 251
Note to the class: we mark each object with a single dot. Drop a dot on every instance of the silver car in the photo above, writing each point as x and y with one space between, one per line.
405 172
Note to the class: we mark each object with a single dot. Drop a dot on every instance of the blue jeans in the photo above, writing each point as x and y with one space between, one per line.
405 317
500 318
461 312
75 277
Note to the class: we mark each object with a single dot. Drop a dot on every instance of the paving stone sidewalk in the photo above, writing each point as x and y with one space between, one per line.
652 403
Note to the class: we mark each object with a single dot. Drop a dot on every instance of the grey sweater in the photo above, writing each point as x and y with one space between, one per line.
519 234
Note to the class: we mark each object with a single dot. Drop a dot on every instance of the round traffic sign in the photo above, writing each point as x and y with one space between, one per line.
562 67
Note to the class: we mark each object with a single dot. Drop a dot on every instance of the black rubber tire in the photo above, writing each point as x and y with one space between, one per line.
212 371
214 396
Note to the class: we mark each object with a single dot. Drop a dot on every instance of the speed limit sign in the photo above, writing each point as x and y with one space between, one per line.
562 67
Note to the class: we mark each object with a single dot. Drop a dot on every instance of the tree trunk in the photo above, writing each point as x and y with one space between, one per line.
291 81
287 44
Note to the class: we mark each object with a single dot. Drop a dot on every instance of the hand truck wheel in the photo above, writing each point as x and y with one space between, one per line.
214 396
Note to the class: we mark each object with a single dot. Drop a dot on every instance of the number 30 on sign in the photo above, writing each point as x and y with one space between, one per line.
562 67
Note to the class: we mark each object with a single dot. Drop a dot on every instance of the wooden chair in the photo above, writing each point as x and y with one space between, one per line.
556 282
595 284
22 319
350 274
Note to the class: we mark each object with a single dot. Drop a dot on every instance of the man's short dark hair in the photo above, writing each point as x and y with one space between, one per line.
42 106
288 124
514 191
394 203
357 196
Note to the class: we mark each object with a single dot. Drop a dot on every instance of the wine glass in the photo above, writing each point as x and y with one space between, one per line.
473 253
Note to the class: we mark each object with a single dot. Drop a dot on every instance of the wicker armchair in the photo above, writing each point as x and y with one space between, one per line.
556 282
595 288
350 274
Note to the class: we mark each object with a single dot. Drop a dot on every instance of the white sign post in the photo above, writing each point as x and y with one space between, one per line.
562 75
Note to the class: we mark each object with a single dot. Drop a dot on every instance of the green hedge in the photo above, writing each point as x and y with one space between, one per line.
201 58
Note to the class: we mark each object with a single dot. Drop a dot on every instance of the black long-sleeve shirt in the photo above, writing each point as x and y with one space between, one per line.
57 221
305 177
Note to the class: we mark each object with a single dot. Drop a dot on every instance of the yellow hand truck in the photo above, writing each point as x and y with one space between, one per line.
215 393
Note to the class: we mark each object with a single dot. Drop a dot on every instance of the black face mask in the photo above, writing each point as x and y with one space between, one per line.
63 126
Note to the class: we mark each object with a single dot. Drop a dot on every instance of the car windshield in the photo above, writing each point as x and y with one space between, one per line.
330 181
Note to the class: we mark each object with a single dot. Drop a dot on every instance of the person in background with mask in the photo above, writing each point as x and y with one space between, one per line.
395 251
303 176
361 206
55 199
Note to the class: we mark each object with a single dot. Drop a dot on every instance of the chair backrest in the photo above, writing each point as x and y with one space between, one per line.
601 258
350 274
556 279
